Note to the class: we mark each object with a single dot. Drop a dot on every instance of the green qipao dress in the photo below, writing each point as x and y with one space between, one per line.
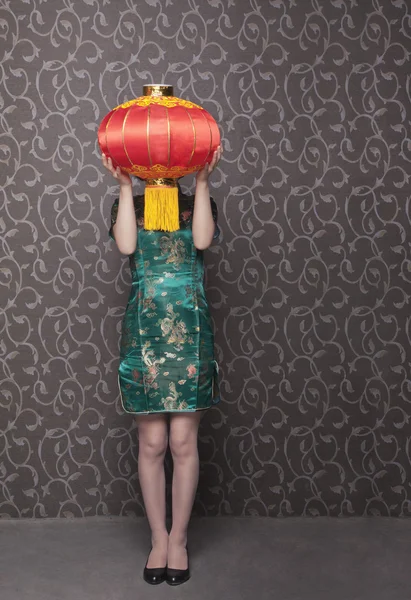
167 359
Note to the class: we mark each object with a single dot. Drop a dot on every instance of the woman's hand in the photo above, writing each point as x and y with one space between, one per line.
123 178
205 172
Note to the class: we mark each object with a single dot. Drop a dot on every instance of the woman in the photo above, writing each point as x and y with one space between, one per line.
167 364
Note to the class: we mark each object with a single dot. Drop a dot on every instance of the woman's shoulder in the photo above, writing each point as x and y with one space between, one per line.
138 200
186 198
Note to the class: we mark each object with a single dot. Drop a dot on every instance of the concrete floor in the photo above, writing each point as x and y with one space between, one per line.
230 558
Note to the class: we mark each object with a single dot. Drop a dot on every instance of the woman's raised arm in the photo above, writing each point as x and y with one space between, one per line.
203 225
125 227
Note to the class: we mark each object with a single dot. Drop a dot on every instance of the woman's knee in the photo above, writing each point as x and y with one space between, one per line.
183 434
183 445
152 439
152 447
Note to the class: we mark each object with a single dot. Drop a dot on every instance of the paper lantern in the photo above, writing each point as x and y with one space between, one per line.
159 138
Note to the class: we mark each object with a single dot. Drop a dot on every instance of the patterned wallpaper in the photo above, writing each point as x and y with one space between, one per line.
309 284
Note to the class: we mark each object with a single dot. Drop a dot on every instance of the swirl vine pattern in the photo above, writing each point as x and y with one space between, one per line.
309 283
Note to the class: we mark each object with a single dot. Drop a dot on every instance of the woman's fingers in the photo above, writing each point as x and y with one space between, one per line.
108 163
215 159
105 162
111 168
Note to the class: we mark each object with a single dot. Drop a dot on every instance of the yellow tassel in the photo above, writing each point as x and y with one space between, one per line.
161 208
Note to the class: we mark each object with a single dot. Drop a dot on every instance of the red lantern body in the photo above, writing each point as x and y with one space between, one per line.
158 135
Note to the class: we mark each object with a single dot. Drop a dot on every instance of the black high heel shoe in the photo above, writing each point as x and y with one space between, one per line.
178 576
154 575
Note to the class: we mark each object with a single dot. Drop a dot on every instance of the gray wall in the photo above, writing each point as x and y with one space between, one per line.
309 285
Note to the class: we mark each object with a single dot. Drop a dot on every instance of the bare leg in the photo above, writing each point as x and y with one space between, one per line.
183 446
152 446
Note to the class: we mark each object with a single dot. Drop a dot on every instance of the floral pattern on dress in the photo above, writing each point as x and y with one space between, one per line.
151 283
191 371
152 364
171 402
174 250
174 330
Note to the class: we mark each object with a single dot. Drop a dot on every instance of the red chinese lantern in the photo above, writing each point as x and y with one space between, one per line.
159 138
